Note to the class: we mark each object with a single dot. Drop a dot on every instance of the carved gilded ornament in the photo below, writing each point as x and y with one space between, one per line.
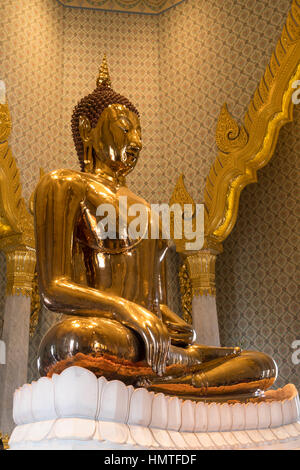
35 306
16 224
201 268
196 277
153 7
4 438
181 196
103 76
243 150
186 293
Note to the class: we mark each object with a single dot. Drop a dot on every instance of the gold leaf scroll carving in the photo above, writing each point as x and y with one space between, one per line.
16 224
245 149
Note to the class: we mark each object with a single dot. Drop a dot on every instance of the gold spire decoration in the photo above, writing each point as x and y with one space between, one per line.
103 77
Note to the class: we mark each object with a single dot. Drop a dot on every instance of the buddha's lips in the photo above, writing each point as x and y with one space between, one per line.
131 157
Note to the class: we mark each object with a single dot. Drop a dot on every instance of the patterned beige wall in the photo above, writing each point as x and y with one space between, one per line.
31 66
2 289
178 68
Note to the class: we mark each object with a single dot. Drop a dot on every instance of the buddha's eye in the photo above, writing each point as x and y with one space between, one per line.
124 125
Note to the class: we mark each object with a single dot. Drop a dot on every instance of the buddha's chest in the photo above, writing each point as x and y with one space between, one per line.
125 267
114 222
114 247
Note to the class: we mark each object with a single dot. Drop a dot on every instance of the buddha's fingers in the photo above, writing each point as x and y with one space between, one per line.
151 344
164 352
166 355
157 341
161 356
180 335
236 351
149 354
159 352
210 353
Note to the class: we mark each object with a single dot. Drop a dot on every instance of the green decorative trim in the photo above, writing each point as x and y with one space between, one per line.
146 7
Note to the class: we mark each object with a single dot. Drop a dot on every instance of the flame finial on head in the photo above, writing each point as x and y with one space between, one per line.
103 77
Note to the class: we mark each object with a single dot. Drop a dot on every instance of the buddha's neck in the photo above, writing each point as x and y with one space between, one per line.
104 172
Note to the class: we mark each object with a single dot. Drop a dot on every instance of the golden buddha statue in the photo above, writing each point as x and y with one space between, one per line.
114 289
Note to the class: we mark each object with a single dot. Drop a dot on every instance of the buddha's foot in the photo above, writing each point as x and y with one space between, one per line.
246 374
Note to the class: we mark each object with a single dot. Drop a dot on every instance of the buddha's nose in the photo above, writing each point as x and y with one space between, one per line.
135 142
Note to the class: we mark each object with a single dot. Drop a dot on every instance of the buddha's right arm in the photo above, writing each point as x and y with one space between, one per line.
65 296
56 209
68 297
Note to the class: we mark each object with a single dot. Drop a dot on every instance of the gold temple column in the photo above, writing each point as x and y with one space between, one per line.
200 272
197 277
20 271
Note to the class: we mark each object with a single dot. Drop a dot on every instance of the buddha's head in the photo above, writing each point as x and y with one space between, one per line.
106 129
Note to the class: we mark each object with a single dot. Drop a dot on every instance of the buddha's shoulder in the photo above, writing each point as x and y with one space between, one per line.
62 177
64 174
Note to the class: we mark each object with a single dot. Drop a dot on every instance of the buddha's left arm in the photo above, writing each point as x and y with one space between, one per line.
181 333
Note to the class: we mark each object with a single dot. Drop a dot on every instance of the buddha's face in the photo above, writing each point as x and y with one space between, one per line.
116 139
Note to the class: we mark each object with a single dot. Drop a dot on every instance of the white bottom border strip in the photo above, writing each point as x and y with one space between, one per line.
79 433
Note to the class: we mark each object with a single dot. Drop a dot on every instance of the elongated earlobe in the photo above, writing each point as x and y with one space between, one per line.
88 158
85 129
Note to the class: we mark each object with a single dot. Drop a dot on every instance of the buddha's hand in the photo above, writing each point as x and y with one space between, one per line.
181 333
154 334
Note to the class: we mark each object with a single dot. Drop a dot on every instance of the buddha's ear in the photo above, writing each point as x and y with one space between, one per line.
85 128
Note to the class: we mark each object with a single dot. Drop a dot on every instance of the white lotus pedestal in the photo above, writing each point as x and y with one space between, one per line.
75 410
